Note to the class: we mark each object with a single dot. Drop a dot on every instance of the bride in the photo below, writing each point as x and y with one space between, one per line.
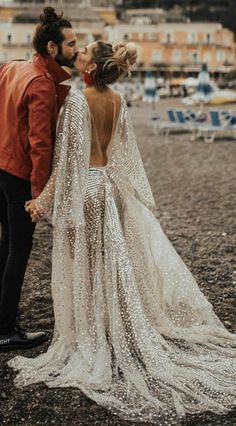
133 331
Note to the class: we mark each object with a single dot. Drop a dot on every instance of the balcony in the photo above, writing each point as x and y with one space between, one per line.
196 44
16 45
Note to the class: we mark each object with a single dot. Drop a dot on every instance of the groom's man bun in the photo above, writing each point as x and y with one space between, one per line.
49 29
49 15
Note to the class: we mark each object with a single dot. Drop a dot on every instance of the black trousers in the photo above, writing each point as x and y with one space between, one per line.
15 245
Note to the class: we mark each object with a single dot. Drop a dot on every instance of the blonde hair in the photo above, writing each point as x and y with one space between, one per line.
124 57
113 61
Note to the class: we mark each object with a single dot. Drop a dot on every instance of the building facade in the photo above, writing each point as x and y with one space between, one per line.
15 41
176 47
180 46
18 23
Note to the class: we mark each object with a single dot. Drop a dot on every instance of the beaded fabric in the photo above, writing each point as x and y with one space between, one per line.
133 331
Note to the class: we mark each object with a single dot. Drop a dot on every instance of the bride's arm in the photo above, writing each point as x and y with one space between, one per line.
42 206
62 197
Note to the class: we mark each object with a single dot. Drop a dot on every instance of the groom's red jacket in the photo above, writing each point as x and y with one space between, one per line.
30 99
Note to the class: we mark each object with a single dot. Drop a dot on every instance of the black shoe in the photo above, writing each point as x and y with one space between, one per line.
19 339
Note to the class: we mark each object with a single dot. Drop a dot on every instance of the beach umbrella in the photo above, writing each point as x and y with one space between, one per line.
204 88
150 88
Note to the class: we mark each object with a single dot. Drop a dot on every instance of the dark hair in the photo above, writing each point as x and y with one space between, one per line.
49 29
113 61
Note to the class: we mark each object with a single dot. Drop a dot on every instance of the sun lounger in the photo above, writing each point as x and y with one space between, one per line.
173 123
217 126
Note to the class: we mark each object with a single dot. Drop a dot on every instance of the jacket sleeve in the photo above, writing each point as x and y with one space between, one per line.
42 116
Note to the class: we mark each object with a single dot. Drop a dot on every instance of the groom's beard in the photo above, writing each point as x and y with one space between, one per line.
63 61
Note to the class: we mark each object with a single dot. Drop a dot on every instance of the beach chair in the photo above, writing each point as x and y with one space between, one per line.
229 117
171 115
166 125
217 126
189 121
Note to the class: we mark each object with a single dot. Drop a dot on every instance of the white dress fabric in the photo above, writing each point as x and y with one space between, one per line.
133 331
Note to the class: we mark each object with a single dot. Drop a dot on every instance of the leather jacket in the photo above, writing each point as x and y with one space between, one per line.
30 99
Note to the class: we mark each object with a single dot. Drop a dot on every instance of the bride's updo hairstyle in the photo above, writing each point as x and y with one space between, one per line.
113 61
49 29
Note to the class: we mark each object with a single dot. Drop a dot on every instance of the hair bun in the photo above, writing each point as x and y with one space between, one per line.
49 16
125 54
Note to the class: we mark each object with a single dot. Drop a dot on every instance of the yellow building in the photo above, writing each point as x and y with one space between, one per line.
181 46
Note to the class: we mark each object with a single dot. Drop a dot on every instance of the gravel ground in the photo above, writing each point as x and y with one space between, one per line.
195 188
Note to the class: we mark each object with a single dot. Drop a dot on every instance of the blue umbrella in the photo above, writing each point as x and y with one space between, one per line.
150 88
204 89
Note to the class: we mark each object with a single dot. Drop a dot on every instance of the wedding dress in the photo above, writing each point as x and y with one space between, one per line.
133 331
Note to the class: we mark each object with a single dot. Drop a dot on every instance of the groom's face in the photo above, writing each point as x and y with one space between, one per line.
67 50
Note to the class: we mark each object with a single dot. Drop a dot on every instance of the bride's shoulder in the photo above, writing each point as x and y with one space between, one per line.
117 94
75 96
122 98
75 100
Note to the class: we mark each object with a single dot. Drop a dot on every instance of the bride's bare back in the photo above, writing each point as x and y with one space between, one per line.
104 106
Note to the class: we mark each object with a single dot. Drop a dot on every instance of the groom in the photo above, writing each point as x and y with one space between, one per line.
31 97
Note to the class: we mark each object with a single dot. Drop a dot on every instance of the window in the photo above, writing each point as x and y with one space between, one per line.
192 38
151 36
220 56
157 56
176 56
194 57
168 38
207 57
9 38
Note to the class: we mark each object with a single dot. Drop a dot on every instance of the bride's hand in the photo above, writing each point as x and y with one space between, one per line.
27 205
30 207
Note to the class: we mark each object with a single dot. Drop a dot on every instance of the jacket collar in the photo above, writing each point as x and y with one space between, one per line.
56 71
57 74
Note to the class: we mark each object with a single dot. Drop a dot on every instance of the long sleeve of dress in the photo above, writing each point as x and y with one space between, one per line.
62 196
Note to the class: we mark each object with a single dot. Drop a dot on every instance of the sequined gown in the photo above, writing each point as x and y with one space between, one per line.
133 331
